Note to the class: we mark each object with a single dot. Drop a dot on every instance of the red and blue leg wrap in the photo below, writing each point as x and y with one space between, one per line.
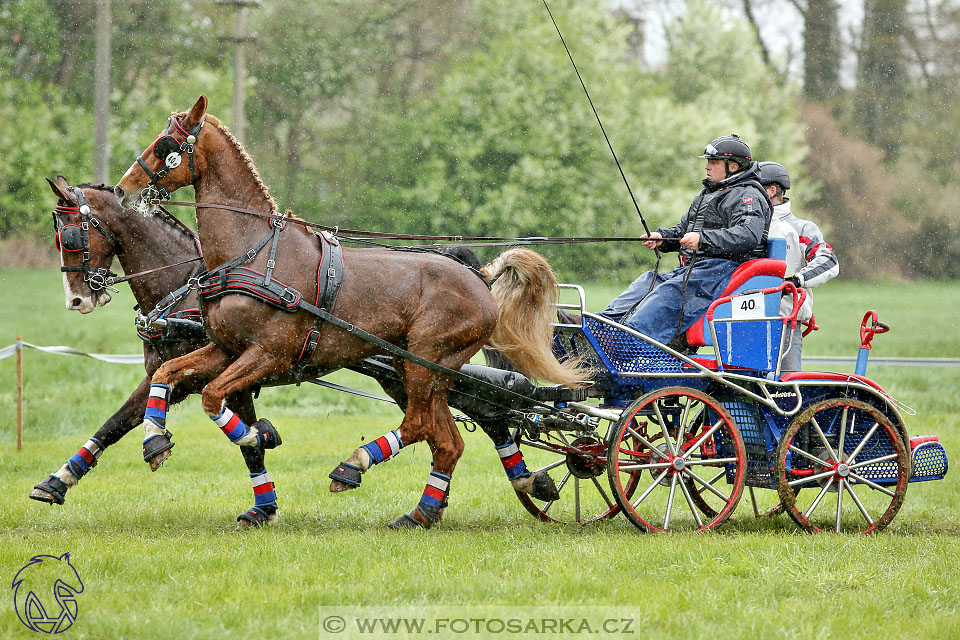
231 425
83 460
434 496
384 447
157 405
512 460
264 494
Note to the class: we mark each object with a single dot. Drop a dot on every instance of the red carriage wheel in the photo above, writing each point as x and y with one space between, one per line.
576 464
684 454
852 463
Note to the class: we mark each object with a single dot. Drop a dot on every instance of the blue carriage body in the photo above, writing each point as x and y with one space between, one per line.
743 374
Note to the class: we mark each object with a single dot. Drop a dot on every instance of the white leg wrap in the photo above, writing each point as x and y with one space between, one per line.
151 429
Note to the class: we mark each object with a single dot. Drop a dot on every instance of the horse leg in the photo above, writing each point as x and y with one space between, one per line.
440 431
205 362
264 510
253 364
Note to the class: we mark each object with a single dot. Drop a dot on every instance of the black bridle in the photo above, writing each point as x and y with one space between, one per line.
76 237
168 149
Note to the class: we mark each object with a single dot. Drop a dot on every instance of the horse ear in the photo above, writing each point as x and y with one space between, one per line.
197 111
60 188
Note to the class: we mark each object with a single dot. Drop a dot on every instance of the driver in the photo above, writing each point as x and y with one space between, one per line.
726 225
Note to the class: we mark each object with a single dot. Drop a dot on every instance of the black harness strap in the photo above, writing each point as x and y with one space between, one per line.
329 277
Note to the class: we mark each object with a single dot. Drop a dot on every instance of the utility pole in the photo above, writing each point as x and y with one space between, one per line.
239 38
101 96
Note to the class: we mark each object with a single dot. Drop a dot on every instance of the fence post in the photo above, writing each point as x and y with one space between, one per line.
19 393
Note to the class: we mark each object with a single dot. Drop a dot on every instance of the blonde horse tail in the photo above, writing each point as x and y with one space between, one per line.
525 289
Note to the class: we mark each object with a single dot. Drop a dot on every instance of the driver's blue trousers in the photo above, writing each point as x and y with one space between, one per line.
658 314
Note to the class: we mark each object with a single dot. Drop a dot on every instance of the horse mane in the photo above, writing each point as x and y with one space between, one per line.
166 216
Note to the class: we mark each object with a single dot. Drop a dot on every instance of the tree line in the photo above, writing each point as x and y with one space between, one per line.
460 117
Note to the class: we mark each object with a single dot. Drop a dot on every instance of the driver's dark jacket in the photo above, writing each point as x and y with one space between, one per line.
732 218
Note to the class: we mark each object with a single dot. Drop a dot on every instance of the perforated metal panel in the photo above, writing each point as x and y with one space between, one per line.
629 354
929 462
759 460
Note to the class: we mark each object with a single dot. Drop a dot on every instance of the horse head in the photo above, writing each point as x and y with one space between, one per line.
162 168
45 593
86 246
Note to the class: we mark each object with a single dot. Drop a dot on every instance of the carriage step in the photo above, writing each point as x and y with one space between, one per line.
929 459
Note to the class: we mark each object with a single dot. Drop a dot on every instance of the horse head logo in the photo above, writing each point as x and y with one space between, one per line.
45 593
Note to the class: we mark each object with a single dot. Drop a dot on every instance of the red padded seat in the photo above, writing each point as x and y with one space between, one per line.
743 273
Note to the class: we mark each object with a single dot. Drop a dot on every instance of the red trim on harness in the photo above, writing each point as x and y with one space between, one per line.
794 376
749 269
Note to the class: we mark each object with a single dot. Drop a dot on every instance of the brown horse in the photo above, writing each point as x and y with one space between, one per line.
429 305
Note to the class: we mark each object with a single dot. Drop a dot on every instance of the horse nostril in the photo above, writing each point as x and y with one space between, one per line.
76 302
118 191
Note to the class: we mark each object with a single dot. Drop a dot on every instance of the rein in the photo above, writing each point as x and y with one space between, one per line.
483 241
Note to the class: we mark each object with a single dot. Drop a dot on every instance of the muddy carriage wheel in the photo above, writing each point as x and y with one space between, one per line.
682 453
852 463
578 464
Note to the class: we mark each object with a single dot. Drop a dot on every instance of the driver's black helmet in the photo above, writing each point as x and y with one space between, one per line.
729 147
774 173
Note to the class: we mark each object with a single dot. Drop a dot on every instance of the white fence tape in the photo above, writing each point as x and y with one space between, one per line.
119 358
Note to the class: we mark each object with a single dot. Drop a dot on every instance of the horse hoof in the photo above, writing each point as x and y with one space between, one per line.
345 477
52 491
544 488
157 461
408 521
267 434
156 449
257 517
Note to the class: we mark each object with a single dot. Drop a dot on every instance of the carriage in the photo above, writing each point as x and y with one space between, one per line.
679 436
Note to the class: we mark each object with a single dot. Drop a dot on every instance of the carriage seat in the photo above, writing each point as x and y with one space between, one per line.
746 344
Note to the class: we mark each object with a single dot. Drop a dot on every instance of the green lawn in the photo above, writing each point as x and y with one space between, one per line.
159 558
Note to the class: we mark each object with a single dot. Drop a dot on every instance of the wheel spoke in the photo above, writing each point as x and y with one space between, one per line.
825 474
603 493
647 444
843 432
863 442
708 485
651 465
889 456
560 486
649 490
856 501
712 461
817 500
673 490
872 484
808 456
693 507
702 439
839 502
552 465
823 439
576 499
666 431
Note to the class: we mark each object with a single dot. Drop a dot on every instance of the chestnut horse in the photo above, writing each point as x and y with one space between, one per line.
165 252
431 306
140 244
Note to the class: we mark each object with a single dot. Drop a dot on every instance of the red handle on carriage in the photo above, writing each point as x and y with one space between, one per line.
875 327
799 295
811 325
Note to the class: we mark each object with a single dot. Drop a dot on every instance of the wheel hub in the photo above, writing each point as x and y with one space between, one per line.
589 461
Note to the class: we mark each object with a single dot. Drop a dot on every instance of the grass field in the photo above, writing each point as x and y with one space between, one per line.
159 559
